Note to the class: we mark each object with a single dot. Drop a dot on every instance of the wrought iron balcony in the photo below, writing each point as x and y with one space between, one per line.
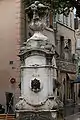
65 65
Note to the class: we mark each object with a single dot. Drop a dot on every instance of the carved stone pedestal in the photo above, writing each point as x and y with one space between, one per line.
39 115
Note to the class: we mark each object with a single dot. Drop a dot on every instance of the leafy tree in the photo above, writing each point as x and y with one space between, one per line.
59 6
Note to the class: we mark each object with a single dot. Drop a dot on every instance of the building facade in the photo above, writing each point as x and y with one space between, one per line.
77 31
66 67
10 21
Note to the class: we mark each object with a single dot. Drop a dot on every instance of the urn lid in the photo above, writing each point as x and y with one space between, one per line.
38 36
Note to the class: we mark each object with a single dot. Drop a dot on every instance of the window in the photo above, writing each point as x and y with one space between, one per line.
78 44
47 19
67 20
69 44
58 17
54 20
30 35
71 20
76 23
11 62
67 49
62 47
79 93
51 20
64 20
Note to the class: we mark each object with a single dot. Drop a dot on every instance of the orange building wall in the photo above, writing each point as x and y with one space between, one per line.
9 47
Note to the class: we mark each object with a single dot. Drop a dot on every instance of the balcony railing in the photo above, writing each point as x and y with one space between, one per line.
65 65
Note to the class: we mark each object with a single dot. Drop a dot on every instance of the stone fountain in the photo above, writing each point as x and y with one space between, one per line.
38 74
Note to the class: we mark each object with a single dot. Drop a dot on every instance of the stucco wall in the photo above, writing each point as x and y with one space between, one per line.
9 47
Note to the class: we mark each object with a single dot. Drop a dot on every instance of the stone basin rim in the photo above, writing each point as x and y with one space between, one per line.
36 111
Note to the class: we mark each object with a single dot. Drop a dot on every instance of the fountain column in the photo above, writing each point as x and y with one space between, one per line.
38 94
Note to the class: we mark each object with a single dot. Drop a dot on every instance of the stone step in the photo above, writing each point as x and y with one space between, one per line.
7 117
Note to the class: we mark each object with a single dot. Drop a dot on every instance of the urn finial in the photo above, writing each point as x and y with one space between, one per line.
37 9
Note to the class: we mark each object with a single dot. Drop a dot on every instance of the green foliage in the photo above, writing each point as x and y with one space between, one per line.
58 6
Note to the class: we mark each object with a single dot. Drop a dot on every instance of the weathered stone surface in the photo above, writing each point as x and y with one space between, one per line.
66 66
38 71
30 115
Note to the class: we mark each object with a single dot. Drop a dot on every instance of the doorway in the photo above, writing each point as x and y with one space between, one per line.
9 102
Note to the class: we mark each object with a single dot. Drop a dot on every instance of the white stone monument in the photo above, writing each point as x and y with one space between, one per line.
38 74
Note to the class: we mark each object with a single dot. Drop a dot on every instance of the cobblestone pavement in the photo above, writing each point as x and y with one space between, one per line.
73 117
